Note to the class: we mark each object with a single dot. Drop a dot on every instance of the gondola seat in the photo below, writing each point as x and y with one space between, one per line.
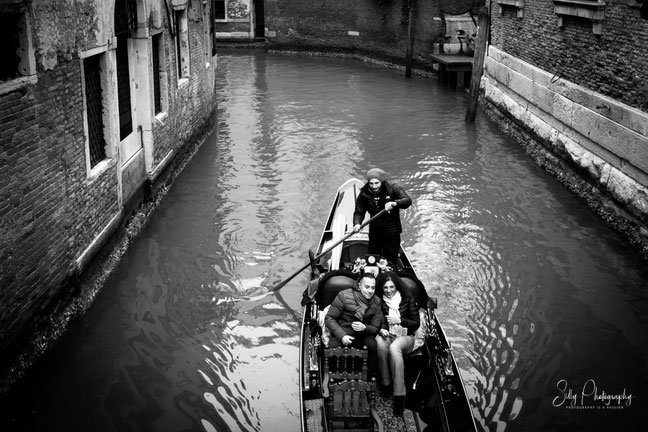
351 395
350 401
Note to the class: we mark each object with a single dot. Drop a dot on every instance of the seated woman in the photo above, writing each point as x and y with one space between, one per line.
396 336
354 318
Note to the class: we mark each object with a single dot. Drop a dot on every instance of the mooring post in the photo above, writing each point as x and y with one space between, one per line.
478 63
410 43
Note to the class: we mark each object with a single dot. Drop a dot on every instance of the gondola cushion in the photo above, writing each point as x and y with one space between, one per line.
331 284
414 287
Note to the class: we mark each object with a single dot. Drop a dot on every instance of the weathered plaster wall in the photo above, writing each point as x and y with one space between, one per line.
57 24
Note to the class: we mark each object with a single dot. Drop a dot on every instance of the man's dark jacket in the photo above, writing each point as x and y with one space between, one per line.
341 315
367 201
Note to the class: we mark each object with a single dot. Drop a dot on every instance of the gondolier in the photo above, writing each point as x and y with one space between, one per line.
377 194
337 391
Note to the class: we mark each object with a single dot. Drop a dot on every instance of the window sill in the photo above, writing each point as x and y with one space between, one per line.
226 20
160 117
182 82
17 83
519 4
101 167
593 10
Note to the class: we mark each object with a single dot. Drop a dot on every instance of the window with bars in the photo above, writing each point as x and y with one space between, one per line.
182 43
94 109
125 22
157 94
16 50
10 36
123 88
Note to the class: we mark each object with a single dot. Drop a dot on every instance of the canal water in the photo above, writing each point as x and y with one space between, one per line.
546 307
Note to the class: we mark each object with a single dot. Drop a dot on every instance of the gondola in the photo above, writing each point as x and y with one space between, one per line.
335 391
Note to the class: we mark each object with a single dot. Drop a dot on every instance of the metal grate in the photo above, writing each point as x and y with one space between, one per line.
125 22
125 16
94 106
156 73
10 37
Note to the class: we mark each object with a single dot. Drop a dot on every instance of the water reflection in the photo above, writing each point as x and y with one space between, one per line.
506 259
533 289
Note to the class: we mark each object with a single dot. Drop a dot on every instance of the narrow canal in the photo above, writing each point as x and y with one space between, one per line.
540 299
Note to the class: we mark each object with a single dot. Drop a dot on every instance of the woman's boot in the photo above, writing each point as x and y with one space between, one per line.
399 405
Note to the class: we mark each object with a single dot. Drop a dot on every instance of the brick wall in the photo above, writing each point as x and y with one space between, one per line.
190 106
46 219
614 63
50 210
382 25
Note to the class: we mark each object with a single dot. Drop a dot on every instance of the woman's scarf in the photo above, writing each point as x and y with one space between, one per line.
393 304
362 304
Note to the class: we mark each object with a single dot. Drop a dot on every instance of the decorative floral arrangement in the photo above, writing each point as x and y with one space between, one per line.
383 265
360 264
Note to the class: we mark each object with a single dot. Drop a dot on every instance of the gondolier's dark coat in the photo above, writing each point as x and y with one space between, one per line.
342 313
368 202
409 314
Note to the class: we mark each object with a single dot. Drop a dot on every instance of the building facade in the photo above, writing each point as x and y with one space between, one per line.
378 28
570 79
97 98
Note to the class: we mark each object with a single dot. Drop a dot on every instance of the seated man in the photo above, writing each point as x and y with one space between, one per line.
354 319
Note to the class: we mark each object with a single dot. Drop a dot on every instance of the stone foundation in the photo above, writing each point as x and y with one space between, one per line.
597 147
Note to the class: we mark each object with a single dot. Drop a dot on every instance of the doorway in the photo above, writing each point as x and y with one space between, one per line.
259 21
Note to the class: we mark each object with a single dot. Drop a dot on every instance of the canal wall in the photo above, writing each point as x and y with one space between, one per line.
98 113
574 92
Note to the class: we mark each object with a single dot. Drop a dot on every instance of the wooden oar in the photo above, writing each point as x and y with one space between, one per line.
328 249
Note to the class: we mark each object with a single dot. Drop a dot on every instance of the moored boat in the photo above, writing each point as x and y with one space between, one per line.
335 391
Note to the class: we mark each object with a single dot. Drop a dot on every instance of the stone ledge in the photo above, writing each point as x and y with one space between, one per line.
577 110
593 10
